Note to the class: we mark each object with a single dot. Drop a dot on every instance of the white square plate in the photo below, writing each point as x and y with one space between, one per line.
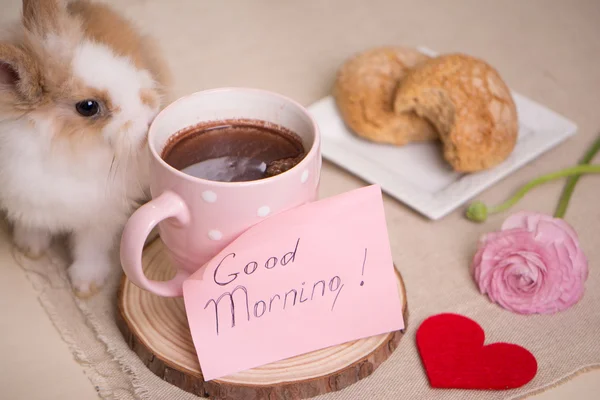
417 174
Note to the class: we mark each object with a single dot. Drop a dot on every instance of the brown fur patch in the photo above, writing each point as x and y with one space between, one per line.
149 98
45 17
102 24
42 16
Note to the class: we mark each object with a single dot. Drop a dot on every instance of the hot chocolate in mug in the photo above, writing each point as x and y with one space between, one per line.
196 217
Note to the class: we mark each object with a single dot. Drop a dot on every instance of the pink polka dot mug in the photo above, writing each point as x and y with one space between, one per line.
197 218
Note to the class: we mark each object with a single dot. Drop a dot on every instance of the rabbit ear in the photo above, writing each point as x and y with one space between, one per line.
8 74
20 75
42 17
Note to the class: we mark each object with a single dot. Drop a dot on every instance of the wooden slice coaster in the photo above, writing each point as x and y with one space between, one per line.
156 329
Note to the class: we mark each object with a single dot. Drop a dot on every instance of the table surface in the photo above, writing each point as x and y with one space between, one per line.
547 50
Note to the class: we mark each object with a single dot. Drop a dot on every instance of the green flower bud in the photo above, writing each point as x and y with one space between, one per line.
477 212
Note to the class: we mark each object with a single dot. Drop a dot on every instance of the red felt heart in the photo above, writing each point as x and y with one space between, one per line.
454 356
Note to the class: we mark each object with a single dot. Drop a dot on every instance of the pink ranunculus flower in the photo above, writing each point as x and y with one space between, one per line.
532 265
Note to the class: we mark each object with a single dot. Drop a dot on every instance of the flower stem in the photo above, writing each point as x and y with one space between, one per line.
478 211
578 170
565 197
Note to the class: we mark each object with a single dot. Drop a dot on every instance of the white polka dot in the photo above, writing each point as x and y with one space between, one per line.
209 196
304 176
215 234
263 211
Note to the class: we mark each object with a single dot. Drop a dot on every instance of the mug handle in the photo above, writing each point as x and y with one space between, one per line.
137 229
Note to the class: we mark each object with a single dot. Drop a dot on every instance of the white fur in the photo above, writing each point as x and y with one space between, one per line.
47 188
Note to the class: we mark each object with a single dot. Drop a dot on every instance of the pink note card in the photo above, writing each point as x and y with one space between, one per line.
302 280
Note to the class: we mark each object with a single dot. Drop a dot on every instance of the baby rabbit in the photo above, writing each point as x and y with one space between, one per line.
79 87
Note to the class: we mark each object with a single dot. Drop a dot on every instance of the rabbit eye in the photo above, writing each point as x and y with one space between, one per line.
87 108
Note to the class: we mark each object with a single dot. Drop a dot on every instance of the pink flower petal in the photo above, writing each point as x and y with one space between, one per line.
516 220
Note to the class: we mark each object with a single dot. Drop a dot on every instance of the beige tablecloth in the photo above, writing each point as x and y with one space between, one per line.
546 50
